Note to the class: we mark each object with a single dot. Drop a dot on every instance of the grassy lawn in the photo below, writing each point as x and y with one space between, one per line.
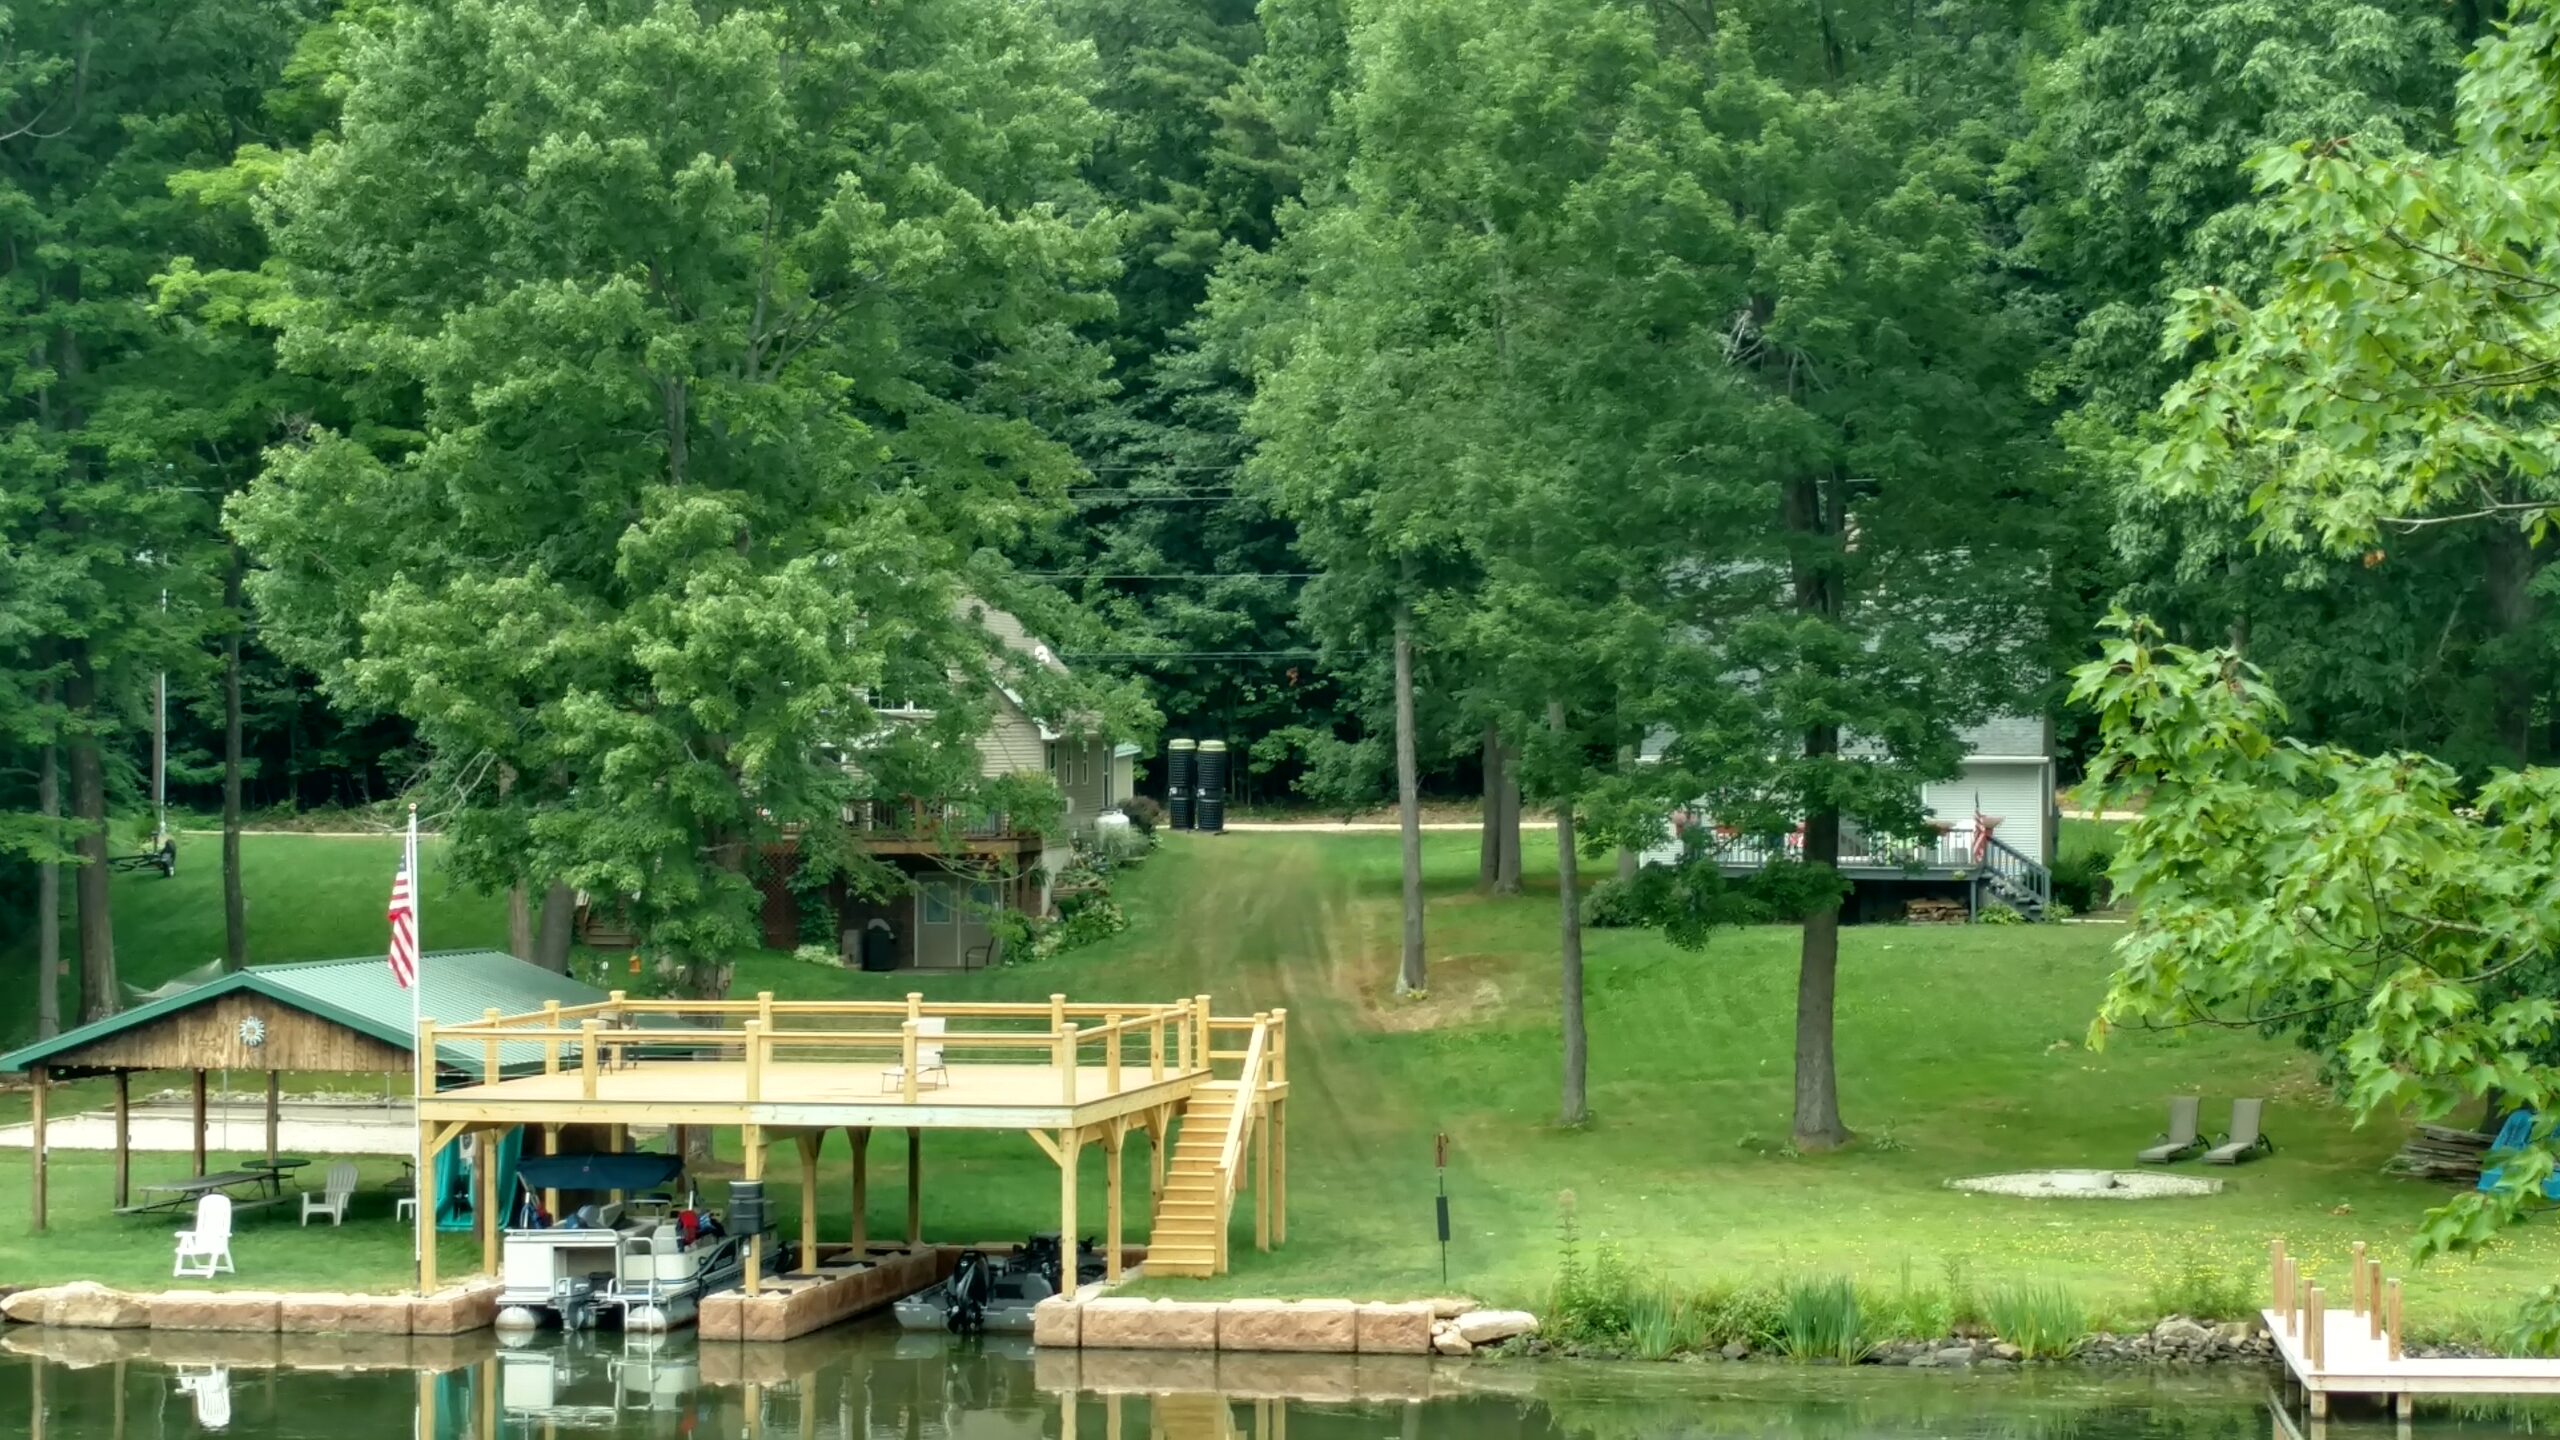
1959 1054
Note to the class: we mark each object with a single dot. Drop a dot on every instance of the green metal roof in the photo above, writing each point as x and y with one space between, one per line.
457 986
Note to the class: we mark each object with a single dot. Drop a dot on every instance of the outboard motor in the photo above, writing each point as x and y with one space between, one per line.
1042 1253
971 1286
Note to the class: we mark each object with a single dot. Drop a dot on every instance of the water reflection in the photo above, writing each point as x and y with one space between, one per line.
868 1383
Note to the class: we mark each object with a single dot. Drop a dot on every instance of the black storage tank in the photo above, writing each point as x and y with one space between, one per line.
1211 802
1182 770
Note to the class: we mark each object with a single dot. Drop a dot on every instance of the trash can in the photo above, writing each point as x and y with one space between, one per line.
879 948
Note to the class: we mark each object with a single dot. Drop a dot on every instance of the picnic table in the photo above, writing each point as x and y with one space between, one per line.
274 1171
178 1194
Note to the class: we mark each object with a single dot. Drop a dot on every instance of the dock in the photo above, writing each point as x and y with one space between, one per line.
2359 1350
1208 1094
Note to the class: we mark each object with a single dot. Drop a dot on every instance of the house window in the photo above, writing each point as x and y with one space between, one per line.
937 903
982 898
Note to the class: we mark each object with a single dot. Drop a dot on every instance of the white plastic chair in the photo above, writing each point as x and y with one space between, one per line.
209 1243
210 1388
928 1061
333 1196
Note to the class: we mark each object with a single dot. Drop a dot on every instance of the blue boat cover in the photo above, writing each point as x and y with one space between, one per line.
633 1171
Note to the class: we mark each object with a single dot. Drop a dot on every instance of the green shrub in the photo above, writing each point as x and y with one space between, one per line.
1998 914
1914 1313
1082 920
1820 1320
1964 1307
1610 905
815 954
2204 1291
1738 1314
2045 1321
2080 880
1145 815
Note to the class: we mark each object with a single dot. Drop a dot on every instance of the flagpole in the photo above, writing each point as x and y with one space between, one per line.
420 1062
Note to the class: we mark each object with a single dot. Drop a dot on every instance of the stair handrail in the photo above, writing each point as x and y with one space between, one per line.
2011 863
1248 1083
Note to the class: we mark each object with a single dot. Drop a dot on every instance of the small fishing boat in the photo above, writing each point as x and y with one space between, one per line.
996 1295
639 1264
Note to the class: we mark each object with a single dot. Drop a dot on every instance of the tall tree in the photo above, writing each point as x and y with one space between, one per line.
697 350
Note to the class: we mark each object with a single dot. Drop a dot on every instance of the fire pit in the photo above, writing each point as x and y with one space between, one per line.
2088 1185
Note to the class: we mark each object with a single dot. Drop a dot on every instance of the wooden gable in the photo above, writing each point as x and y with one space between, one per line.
216 1035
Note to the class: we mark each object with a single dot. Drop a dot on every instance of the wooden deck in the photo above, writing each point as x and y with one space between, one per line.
822 1094
2357 1350
1207 1094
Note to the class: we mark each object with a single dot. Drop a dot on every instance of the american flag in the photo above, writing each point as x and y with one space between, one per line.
404 931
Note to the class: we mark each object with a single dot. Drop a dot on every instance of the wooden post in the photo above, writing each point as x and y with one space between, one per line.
551 1146
1111 1055
1279 1047
2355 1278
490 1202
1279 1172
2373 1297
2315 1307
764 1010
551 1042
915 1004
2391 1299
1065 1051
1057 1013
1070 1141
2276 1293
753 1136
860 1136
589 1031
1155 1047
1208 1044
199 1122
428 1195
1111 1415
907 1057
1114 1138
274 1117
755 1033
36 1185
124 1141
1262 1184
809 1141
1182 1032
489 1047
915 1187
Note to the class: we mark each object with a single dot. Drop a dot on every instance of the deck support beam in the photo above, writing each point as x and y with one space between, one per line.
1279 1172
1115 1139
809 1141
431 1143
1070 1141
753 1138
487 1156
860 1138
275 1118
36 1158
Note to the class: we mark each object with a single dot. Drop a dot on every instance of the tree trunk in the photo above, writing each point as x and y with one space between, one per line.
519 923
1489 844
1817 581
97 937
1410 979
1576 1109
235 902
1626 857
1817 1119
2514 677
551 937
49 881
1506 881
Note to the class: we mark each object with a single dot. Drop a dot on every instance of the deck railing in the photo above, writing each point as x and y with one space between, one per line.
1133 1044
928 819
1945 850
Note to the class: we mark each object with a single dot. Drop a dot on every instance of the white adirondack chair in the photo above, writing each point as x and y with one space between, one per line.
928 1061
206 1248
210 1388
332 1199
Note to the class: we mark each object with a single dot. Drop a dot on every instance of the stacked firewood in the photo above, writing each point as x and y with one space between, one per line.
2436 1152
1935 912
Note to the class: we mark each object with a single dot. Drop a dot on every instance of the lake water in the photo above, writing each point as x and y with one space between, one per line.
871 1383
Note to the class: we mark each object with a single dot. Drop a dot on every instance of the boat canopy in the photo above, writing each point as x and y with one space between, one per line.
633 1171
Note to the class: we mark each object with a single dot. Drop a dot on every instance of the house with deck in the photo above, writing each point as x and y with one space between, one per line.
1990 839
965 866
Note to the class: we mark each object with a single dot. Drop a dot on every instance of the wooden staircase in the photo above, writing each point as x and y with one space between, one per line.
1189 1236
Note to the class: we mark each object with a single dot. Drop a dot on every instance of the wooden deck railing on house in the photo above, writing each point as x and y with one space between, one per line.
922 819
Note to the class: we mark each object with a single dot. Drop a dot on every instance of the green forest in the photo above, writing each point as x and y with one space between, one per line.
584 422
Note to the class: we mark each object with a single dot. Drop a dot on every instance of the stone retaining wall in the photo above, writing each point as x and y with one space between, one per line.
1306 1327
87 1305
791 1306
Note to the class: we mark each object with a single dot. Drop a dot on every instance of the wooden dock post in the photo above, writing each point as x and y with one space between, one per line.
1114 1144
754 1032
124 1141
907 1057
489 1046
2373 1296
2315 1344
43 1081
2391 1302
1057 1013
1063 1051
492 1223
551 1040
1155 1046
752 1136
1070 1140
2355 1279
1111 1054
860 1136
588 1041
1182 1036
809 1141
1208 1044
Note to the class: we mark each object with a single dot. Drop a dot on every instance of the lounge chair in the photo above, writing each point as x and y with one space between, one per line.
332 1199
2245 1140
208 1245
928 1061
2513 1136
2181 1140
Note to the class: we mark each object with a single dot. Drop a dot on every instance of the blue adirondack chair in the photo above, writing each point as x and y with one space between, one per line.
2513 1136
